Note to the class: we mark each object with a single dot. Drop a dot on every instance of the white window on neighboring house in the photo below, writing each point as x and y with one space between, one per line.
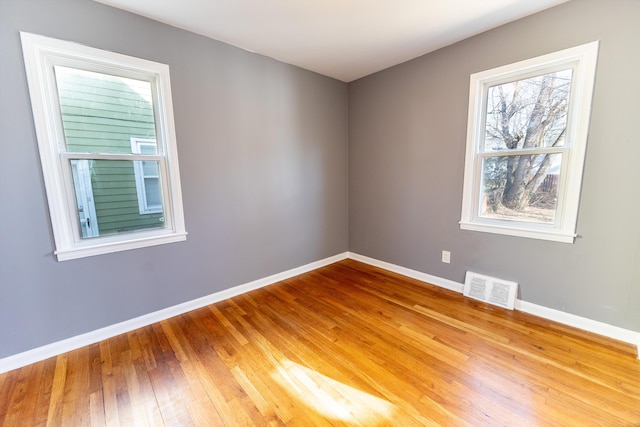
106 137
147 174
526 143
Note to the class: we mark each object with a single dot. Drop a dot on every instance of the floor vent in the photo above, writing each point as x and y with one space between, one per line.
490 289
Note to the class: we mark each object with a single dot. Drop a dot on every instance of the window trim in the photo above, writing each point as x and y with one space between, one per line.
583 59
41 54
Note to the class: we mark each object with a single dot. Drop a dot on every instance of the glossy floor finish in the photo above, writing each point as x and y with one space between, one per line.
346 344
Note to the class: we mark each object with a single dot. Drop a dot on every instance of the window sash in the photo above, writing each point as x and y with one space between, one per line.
524 152
554 226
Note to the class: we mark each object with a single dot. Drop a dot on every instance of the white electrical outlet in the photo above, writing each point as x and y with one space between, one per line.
446 257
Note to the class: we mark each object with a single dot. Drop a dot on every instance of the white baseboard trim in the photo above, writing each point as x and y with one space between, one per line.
579 322
418 275
50 350
583 323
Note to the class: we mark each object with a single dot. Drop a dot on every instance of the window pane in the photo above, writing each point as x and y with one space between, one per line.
100 112
152 190
528 113
146 148
107 199
150 169
520 188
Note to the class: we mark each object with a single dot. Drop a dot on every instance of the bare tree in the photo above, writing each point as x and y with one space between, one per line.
521 115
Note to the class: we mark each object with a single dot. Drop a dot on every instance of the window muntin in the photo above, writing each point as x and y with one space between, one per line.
526 142
89 106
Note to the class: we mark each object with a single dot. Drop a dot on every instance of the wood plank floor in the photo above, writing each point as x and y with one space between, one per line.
346 344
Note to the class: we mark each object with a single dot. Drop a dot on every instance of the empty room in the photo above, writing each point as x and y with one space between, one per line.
389 213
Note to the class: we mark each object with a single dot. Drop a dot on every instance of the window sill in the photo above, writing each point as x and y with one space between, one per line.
105 248
554 236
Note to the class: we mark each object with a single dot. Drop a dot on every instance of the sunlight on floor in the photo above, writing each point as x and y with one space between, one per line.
331 398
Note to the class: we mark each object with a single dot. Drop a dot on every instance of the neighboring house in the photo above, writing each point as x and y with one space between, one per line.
108 114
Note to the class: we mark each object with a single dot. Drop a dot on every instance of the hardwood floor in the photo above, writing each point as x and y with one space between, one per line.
346 344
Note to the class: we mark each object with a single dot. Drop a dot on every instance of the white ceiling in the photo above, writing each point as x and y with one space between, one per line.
344 39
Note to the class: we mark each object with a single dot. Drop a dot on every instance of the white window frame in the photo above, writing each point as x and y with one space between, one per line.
138 169
41 54
583 60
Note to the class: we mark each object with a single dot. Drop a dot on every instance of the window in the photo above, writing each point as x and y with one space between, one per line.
526 142
104 123
147 177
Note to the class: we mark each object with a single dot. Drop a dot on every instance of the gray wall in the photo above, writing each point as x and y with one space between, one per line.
263 159
406 151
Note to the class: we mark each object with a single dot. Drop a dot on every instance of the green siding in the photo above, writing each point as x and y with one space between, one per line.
100 114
